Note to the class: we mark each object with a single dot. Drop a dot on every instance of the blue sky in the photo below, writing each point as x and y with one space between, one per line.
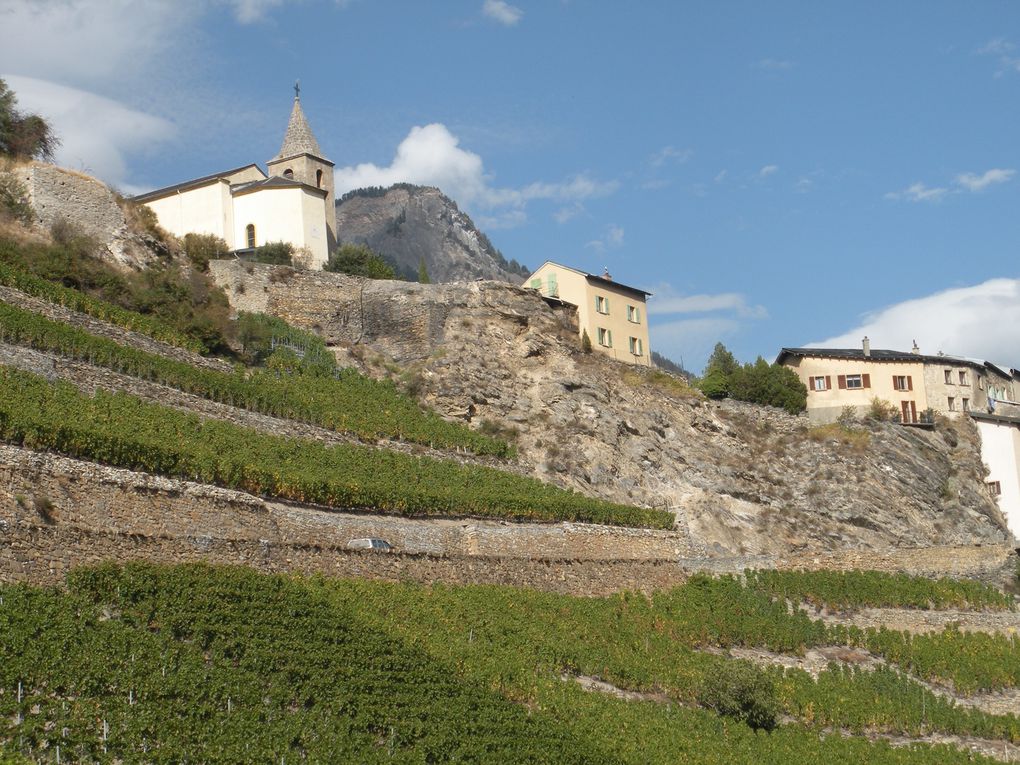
776 173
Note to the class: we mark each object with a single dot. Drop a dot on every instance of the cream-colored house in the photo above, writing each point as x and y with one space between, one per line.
613 314
246 207
910 381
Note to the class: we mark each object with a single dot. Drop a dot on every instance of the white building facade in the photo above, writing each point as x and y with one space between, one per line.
246 207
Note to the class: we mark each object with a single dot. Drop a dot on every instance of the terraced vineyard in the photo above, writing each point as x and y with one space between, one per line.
123 431
155 664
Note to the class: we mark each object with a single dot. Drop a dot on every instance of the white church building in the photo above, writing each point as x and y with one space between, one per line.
247 207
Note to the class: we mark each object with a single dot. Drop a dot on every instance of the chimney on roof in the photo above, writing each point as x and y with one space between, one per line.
915 349
605 274
867 346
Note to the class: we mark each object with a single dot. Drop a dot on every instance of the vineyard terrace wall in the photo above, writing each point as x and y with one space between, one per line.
58 513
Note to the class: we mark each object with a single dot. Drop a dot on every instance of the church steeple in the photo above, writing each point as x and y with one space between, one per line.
299 138
301 160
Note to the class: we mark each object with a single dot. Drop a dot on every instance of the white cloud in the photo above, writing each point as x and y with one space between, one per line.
768 170
918 192
695 323
1003 51
982 322
613 238
670 154
973 182
432 155
250 11
89 42
568 213
97 134
502 12
668 302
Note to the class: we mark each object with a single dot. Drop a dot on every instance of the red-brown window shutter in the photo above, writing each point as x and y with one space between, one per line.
841 379
866 379
910 383
828 383
811 383
894 383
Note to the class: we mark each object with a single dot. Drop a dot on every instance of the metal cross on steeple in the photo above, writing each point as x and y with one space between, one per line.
297 89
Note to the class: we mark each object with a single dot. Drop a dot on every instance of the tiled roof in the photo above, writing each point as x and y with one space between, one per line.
273 182
878 354
191 184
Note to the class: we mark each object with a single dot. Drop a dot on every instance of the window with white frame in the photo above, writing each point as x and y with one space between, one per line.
635 346
601 304
965 404
952 404
963 378
949 376
634 314
854 382
819 383
605 337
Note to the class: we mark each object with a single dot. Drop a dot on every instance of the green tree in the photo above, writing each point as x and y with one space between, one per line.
721 360
423 274
359 260
201 248
23 136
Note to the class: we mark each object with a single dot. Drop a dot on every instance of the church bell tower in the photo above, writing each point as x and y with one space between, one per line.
300 159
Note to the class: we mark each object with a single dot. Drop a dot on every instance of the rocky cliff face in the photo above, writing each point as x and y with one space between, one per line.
741 478
406 223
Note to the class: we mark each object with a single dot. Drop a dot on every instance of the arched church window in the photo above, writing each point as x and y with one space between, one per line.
250 234
288 173
318 179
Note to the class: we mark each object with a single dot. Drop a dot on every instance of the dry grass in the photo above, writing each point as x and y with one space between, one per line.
662 381
854 438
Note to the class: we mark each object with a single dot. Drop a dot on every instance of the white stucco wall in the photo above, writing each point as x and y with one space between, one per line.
1000 450
203 210
291 214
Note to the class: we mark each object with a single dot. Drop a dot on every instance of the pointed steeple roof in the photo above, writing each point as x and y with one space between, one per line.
299 138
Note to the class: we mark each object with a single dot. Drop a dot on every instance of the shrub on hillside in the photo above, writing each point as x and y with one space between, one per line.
14 203
201 248
359 260
275 254
742 691
757 383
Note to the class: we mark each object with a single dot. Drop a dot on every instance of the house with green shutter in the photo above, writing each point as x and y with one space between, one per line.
613 315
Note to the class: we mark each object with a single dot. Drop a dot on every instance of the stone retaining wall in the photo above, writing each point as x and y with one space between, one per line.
57 513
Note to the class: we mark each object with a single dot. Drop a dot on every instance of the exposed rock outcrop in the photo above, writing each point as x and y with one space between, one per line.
742 478
406 223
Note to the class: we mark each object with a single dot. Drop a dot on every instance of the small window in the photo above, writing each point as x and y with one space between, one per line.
963 378
288 174
249 233
536 284
554 288
318 179
854 382
635 346
602 304
634 314
605 338
994 488
819 383
965 402
902 382
952 404
949 376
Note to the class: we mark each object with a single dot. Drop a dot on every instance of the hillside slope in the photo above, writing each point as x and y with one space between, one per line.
406 223
744 479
